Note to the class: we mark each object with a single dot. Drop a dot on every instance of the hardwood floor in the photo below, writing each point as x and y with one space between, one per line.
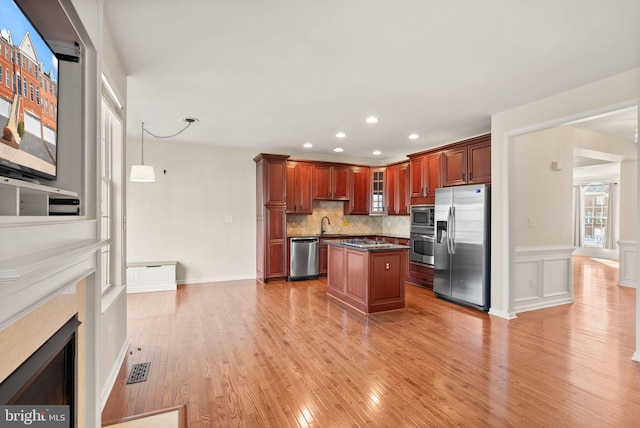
245 354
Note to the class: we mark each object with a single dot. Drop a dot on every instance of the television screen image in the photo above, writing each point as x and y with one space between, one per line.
28 98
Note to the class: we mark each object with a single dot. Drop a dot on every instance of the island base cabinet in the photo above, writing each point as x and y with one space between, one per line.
369 281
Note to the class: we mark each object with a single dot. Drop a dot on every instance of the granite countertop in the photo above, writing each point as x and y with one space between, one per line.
392 247
345 235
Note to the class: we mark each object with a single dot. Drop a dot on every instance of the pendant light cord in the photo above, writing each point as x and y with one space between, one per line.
189 123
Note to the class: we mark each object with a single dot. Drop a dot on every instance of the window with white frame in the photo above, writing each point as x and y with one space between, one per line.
110 227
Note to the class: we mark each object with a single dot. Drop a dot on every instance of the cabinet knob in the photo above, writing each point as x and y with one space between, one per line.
470 176
463 176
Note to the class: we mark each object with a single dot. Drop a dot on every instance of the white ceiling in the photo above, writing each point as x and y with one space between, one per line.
272 75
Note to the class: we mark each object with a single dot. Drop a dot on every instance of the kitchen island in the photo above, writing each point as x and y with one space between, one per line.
367 275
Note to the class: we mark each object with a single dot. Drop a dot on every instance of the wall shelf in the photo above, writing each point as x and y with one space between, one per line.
22 198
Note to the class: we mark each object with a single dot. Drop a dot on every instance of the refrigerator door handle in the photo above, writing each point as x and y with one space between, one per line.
449 231
452 226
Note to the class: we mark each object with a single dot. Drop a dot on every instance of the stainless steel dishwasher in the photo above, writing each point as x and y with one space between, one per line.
303 254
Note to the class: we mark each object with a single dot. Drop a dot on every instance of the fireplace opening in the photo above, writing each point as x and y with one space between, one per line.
48 376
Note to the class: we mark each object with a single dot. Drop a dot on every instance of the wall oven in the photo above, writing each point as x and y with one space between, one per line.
422 246
421 234
422 217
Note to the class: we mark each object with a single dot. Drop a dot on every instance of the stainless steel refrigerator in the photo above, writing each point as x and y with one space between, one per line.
461 253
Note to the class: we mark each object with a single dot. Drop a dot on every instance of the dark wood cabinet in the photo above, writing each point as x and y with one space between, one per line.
331 182
358 203
464 162
380 191
425 172
416 174
323 258
271 217
369 281
479 160
433 175
299 191
454 164
468 163
397 189
421 275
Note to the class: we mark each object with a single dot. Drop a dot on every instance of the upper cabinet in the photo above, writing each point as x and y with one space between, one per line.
479 161
397 189
331 182
379 191
358 203
272 180
425 177
299 188
468 163
465 162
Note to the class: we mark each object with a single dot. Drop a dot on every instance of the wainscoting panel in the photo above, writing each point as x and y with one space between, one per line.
628 264
543 277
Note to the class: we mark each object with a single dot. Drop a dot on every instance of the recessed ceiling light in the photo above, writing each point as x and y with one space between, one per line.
372 119
308 145
341 135
338 149
414 136
377 152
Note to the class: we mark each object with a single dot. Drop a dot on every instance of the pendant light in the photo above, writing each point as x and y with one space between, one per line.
144 173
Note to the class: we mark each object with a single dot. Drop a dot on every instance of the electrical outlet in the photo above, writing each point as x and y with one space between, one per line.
229 219
532 222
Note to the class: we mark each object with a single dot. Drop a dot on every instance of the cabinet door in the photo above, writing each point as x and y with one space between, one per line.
379 190
340 183
402 200
359 201
275 180
322 182
455 166
276 242
391 190
299 190
304 183
434 175
322 259
292 202
480 162
416 173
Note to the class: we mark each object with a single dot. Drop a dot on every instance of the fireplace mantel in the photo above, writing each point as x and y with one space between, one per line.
46 260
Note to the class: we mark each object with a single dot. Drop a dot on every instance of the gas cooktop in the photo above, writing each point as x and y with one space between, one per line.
366 243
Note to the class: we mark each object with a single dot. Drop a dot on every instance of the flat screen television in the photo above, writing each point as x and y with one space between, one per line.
28 98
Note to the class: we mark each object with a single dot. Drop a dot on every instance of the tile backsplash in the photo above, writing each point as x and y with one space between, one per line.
300 224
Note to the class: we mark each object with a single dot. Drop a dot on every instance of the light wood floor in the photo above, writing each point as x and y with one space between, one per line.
245 354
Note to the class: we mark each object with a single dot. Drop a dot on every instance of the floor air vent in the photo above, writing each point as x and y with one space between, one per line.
139 373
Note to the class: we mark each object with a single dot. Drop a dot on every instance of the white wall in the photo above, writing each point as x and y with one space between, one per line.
183 215
618 91
543 198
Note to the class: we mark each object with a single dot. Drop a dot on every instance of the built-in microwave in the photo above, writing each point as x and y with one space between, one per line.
422 217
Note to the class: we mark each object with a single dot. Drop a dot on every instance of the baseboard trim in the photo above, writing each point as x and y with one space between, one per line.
113 375
215 279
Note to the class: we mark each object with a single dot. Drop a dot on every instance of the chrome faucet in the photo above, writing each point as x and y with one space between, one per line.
322 224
